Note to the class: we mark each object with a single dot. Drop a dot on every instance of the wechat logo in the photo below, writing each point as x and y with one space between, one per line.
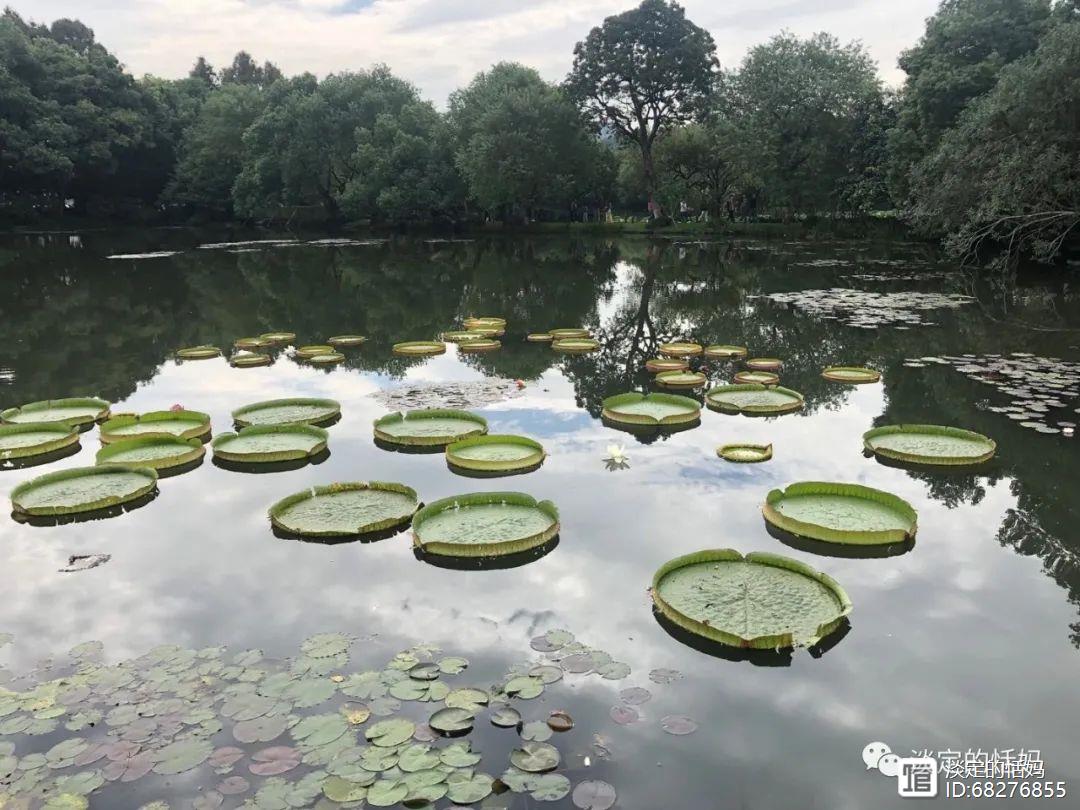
916 777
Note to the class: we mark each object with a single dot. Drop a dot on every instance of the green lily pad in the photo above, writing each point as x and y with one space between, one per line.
204 352
761 601
569 333
851 374
536 731
420 348
495 453
452 720
251 343
754 399
756 378
73 412
841 513
505 717
425 692
535 757
484 524
387 793
340 790
680 349
681 379
745 453
390 733
345 509
657 365
327 359
467 698
278 338
181 423
29 439
250 360
471 790
182 755
594 795
300 410
429 428
764 363
343 341
317 730
156 452
459 755
260 729
550 787
265 444
307 352
720 351
929 444
82 489
479 345
452 665
418 757
540 337
325 645
651 409
578 345
525 687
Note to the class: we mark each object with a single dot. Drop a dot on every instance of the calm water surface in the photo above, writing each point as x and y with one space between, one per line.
968 641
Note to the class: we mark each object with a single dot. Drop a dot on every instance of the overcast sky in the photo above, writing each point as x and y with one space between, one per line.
440 44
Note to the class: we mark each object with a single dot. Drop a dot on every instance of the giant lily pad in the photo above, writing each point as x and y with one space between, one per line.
495 453
307 352
279 338
754 399
180 423
345 341
262 444
434 427
463 336
478 345
157 452
851 374
420 348
203 352
764 363
252 343
659 364
745 453
680 349
327 359
724 352
681 379
29 439
485 322
569 333
841 513
288 411
74 412
484 524
651 409
340 510
250 360
82 489
579 345
540 337
760 601
756 378
929 444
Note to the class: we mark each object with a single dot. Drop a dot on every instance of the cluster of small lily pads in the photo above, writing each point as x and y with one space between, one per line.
869 310
1043 392
252 352
300 732
253 246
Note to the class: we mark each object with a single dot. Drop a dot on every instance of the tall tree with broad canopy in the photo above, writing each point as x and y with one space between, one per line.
643 72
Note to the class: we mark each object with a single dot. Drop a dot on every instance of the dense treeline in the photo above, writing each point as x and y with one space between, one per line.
981 144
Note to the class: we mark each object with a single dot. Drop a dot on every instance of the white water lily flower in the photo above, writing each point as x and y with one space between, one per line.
617 453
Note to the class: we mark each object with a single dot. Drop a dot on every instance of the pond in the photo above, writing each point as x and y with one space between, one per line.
965 641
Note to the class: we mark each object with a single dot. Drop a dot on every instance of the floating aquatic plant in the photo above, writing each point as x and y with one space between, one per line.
181 423
756 378
345 509
265 444
754 399
74 411
540 337
345 341
724 352
651 409
681 379
484 524
252 343
854 375
929 444
764 363
434 427
495 453
204 352
327 359
478 345
288 411
575 345
156 452
760 601
420 348
29 439
455 395
307 352
82 489
569 333
680 349
841 513
250 360
279 338
745 453
660 364
870 310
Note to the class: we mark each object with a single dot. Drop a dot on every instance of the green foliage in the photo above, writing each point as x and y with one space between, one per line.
1009 171
643 72
520 144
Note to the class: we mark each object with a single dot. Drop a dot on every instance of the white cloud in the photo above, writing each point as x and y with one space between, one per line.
441 44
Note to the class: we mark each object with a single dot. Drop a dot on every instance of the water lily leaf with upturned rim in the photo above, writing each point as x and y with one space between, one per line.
495 453
651 409
73 411
29 439
292 410
578 345
279 338
855 375
433 427
760 601
841 513
343 341
764 363
250 360
756 378
267 444
540 337
420 348
345 509
659 364
155 452
484 524
82 489
204 352
720 351
743 453
680 348
181 423
314 350
327 359
761 400
681 379
929 444
478 345
569 333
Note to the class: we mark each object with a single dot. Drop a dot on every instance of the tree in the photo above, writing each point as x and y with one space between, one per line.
705 160
1008 174
964 48
204 72
520 143
245 70
800 104
643 72
404 167
301 150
